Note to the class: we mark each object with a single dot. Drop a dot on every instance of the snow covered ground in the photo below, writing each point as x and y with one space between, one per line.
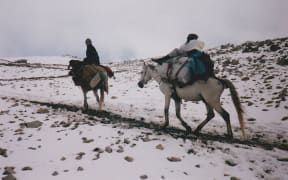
39 139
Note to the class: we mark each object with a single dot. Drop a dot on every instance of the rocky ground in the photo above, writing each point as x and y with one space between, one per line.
45 134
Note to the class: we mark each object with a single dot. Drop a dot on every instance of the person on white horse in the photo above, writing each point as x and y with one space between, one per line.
185 65
191 45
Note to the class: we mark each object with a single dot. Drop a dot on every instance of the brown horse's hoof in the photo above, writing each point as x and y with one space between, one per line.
229 136
196 133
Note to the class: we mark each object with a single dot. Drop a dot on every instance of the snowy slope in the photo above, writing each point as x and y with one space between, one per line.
69 144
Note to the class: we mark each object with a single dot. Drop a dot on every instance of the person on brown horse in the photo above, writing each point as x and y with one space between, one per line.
92 56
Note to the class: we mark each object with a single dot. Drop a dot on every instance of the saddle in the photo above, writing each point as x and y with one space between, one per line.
185 70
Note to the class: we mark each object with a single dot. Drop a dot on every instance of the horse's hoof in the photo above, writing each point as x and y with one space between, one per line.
196 133
188 130
229 136
165 125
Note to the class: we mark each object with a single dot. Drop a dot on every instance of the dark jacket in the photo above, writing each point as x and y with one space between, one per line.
91 55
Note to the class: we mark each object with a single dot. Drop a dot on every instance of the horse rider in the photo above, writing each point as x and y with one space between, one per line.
191 45
92 56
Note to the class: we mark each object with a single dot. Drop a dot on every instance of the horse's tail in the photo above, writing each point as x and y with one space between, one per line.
104 79
236 102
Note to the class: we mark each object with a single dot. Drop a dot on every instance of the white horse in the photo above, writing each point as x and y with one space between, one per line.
207 91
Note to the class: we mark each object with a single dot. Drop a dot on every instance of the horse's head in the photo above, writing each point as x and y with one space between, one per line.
74 65
145 75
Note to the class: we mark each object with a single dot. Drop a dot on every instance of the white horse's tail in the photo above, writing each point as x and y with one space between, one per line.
236 101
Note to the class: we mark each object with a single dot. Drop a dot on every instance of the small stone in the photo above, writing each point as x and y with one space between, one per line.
27 168
160 147
197 165
245 78
3 152
96 157
234 178
283 159
80 155
251 119
191 151
80 168
97 149
126 141
108 149
230 163
120 150
143 176
33 124
284 118
129 158
42 111
173 159
86 140
55 173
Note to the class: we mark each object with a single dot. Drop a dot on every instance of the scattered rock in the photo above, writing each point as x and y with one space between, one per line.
55 173
42 111
3 152
251 119
108 149
80 168
85 140
27 168
21 61
129 158
274 47
283 159
234 178
143 176
99 150
113 97
197 165
120 149
80 155
127 141
173 159
96 157
33 124
191 151
282 62
235 62
230 163
245 78
284 118
160 147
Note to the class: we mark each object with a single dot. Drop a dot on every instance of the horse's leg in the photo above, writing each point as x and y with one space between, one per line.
101 98
225 115
96 95
210 115
178 115
166 110
85 100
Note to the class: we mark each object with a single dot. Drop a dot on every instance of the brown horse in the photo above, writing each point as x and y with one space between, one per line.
207 91
82 76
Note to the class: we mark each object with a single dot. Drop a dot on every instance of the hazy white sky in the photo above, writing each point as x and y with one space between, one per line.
128 29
